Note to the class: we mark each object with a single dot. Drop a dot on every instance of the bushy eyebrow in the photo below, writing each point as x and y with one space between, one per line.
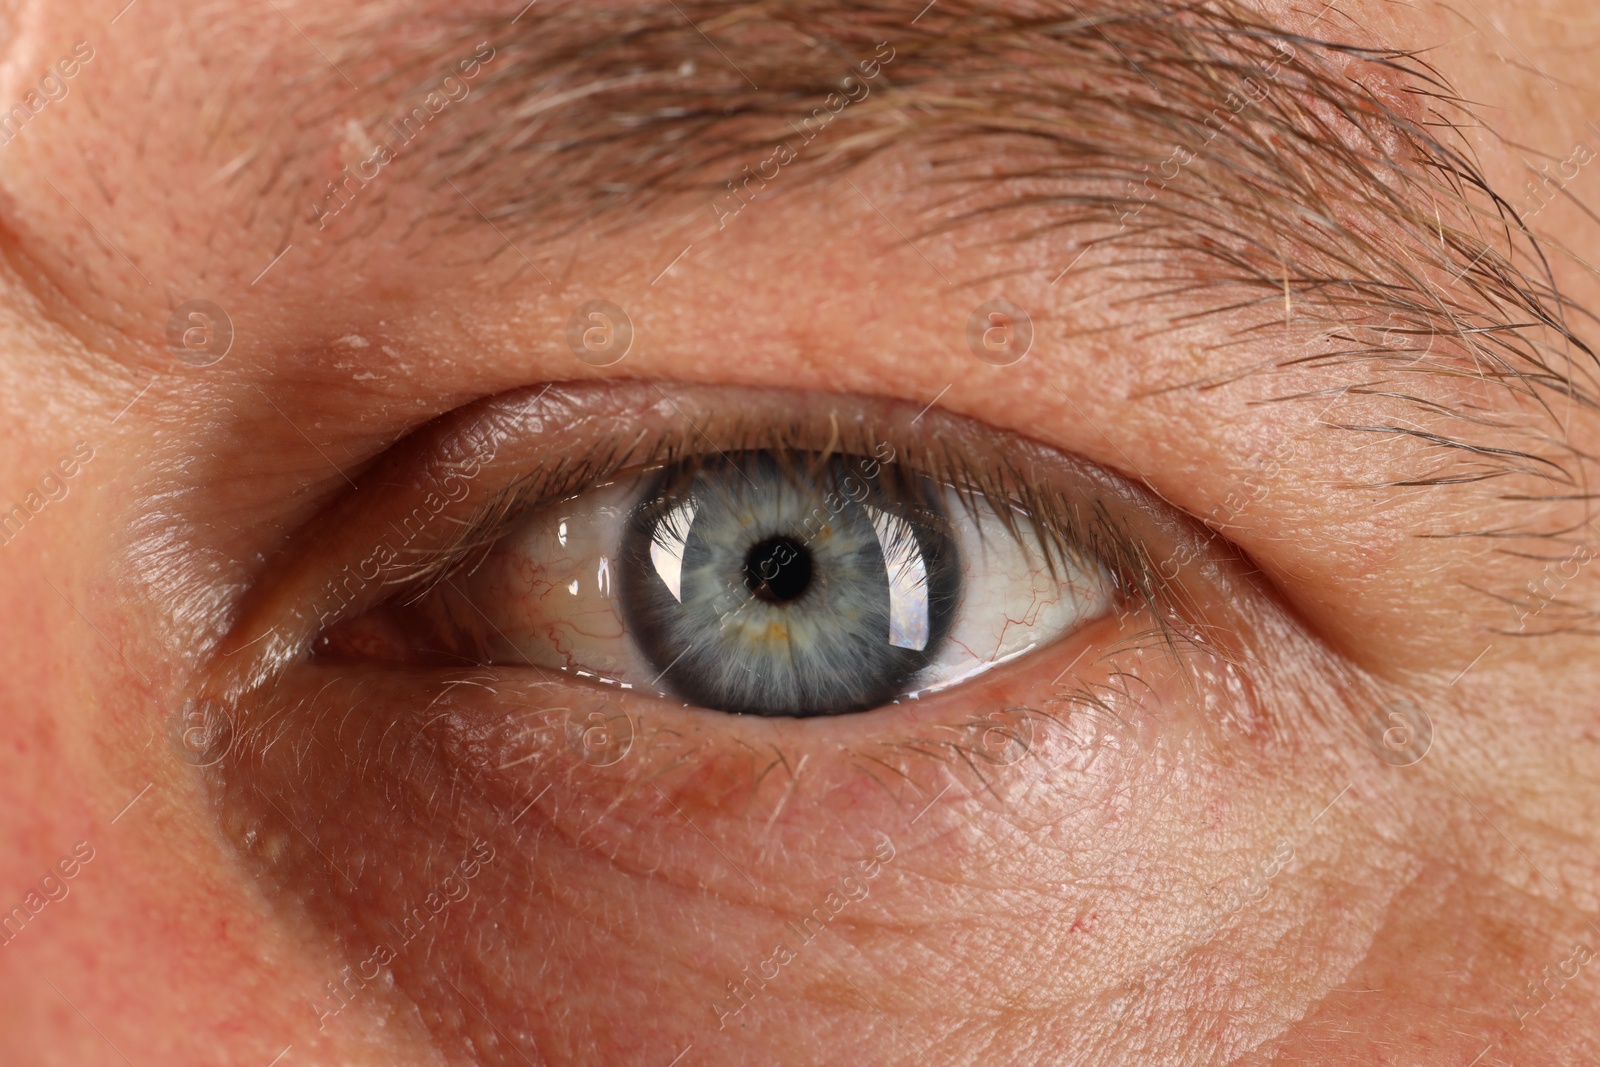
1319 189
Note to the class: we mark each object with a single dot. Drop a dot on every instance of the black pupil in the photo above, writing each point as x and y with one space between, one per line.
778 569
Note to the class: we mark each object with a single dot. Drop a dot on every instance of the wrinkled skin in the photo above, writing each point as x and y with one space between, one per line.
1223 871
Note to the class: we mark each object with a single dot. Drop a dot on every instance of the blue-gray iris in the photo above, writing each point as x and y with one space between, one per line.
799 586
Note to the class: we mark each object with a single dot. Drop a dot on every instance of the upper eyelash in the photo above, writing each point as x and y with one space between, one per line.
1070 529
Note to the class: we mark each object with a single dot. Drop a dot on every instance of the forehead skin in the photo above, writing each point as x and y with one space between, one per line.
189 158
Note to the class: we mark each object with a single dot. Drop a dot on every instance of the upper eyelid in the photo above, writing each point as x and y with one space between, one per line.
335 568
1235 235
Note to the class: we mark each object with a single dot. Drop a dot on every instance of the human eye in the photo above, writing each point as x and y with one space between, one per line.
417 690
765 577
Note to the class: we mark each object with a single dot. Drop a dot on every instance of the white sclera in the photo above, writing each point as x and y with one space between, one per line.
547 590
1011 603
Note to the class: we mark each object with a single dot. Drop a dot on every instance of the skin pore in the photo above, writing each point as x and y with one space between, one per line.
1319 790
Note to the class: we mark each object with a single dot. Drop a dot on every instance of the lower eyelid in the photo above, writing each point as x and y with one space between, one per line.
518 730
353 775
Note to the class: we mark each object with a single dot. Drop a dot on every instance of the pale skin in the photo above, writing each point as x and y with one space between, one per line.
1236 875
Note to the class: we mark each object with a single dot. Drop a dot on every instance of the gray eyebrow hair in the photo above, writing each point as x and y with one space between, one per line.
1317 192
